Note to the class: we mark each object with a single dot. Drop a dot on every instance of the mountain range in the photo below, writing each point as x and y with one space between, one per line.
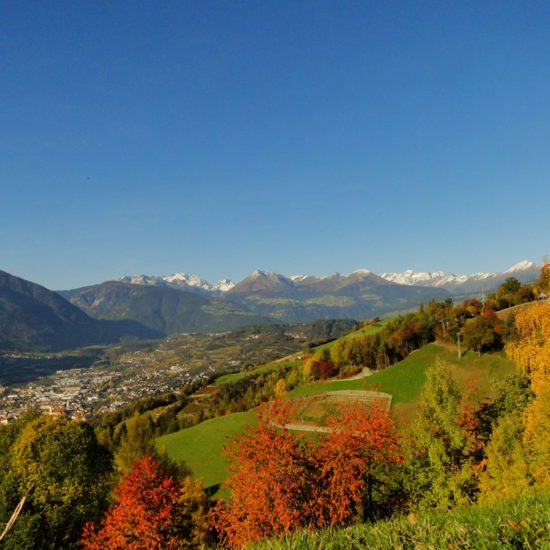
35 318
165 309
181 281
524 271
171 305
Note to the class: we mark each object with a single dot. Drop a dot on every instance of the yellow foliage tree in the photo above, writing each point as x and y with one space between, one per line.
280 388
544 279
531 351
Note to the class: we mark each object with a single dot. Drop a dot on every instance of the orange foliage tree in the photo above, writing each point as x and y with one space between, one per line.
152 512
268 479
280 482
351 459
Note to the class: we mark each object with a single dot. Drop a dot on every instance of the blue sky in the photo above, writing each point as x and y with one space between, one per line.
220 137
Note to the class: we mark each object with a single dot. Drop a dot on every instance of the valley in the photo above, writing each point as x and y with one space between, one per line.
92 381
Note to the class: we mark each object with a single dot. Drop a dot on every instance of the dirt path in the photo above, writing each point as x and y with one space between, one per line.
363 374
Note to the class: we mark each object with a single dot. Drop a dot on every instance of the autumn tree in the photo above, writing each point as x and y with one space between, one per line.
269 481
544 279
435 452
506 475
135 438
65 474
280 388
483 333
28 526
152 511
531 351
352 461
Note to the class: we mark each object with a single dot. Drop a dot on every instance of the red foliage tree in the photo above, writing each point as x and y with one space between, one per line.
147 514
362 442
269 480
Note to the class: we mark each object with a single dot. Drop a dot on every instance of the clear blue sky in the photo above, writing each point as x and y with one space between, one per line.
220 137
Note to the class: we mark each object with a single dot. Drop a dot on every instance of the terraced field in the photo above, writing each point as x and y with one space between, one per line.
315 409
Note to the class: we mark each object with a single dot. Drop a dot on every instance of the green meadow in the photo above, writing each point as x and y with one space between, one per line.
201 446
405 379
365 331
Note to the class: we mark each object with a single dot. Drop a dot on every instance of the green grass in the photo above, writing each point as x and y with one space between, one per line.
523 523
403 380
201 446
365 331
268 367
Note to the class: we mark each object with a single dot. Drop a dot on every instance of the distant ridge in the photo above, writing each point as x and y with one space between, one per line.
524 271
181 281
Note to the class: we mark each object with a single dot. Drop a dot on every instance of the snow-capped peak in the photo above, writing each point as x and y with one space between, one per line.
524 265
524 270
179 280
422 278
224 285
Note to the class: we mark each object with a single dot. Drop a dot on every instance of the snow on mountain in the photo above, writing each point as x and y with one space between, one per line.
223 286
181 281
524 271
522 266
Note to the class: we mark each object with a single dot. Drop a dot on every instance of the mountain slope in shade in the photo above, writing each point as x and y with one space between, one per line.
524 271
35 318
163 309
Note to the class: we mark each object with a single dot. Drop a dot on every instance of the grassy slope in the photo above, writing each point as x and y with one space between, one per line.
405 379
201 446
523 523
274 365
365 331
268 367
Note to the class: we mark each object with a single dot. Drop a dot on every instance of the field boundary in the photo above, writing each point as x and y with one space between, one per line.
319 405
